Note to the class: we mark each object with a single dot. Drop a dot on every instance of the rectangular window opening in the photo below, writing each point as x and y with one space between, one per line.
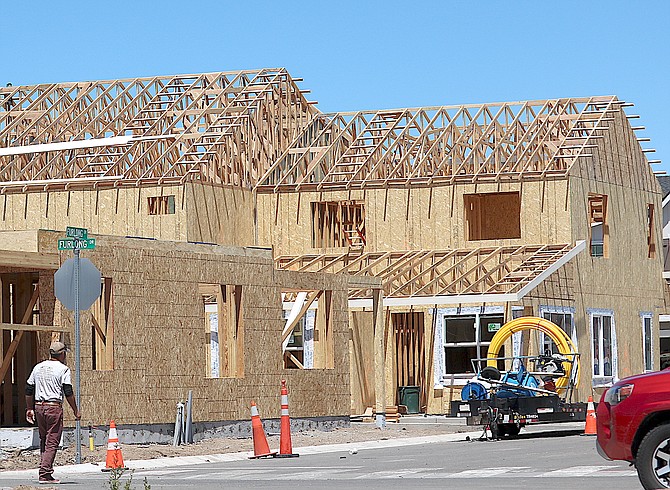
647 341
598 228
338 224
224 330
161 205
102 328
651 233
307 336
603 348
468 337
565 320
493 216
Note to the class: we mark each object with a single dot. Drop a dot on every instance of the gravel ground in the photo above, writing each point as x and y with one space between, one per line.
358 432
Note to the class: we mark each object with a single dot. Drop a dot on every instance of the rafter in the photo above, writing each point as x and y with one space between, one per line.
421 273
220 128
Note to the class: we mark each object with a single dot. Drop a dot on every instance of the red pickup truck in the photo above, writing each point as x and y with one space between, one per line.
633 420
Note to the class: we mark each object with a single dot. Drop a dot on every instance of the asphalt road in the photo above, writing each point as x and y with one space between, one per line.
539 458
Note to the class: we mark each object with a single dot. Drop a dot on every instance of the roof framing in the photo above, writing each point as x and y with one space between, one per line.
433 145
221 128
444 276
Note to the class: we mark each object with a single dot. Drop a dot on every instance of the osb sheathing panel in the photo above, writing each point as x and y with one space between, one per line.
361 349
627 281
223 215
120 212
417 218
159 344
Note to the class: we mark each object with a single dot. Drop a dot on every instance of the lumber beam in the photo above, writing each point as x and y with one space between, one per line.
32 328
11 350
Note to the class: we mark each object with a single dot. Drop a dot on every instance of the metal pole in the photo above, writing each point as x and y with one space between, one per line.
77 353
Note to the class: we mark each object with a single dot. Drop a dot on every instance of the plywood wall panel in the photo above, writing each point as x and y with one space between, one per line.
159 336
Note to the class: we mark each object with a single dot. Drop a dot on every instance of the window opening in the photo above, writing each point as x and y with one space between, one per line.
338 224
493 216
647 321
603 347
161 205
563 319
651 235
599 231
307 337
468 337
102 328
224 330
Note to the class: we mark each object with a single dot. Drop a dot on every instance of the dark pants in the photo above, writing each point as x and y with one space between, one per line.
50 424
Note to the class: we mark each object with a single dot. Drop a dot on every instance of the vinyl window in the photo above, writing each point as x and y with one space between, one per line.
603 347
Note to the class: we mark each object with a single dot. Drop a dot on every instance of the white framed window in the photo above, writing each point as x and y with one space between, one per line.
603 347
467 335
564 317
647 339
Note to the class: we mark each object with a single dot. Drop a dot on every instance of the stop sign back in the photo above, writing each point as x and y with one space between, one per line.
89 284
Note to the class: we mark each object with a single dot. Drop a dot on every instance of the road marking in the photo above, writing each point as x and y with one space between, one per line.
486 472
380 475
573 471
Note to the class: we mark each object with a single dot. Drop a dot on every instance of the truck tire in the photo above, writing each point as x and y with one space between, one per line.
652 461
510 430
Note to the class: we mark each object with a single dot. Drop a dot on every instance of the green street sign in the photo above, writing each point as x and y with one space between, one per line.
77 233
72 244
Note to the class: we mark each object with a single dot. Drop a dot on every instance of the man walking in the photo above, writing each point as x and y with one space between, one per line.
48 382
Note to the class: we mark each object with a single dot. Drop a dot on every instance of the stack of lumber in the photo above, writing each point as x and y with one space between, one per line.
392 414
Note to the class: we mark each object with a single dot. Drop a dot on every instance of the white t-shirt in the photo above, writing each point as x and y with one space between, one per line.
49 377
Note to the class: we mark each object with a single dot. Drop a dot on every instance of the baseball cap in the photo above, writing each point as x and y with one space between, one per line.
57 348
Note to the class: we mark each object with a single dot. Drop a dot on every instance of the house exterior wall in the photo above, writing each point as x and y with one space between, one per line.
120 212
415 218
160 344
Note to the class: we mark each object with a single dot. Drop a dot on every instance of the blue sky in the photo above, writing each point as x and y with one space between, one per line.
363 55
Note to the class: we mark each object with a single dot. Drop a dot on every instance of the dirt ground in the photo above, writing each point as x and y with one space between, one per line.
27 459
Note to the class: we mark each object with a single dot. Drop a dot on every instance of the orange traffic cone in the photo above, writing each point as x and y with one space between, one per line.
590 428
114 456
261 448
285 445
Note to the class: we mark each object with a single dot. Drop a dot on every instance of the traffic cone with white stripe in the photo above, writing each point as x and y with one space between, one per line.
590 428
285 445
261 447
114 456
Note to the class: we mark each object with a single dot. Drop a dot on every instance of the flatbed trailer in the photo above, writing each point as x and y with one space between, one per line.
505 416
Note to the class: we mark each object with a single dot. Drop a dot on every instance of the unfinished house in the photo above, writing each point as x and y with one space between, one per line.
441 223
471 216
134 161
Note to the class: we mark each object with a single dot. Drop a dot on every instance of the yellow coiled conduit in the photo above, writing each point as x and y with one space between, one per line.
564 343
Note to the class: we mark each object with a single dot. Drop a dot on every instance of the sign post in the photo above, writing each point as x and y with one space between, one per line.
67 287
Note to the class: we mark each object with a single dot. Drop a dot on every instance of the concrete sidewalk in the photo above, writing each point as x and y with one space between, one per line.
158 463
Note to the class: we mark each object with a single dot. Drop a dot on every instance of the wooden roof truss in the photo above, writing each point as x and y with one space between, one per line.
221 128
417 273
469 143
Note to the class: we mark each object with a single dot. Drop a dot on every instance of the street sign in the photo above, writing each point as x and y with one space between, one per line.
89 284
76 244
77 285
80 233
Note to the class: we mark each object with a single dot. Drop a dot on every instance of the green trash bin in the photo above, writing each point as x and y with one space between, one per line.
409 396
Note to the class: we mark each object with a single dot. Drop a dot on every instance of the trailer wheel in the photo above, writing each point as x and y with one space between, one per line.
511 430
652 461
